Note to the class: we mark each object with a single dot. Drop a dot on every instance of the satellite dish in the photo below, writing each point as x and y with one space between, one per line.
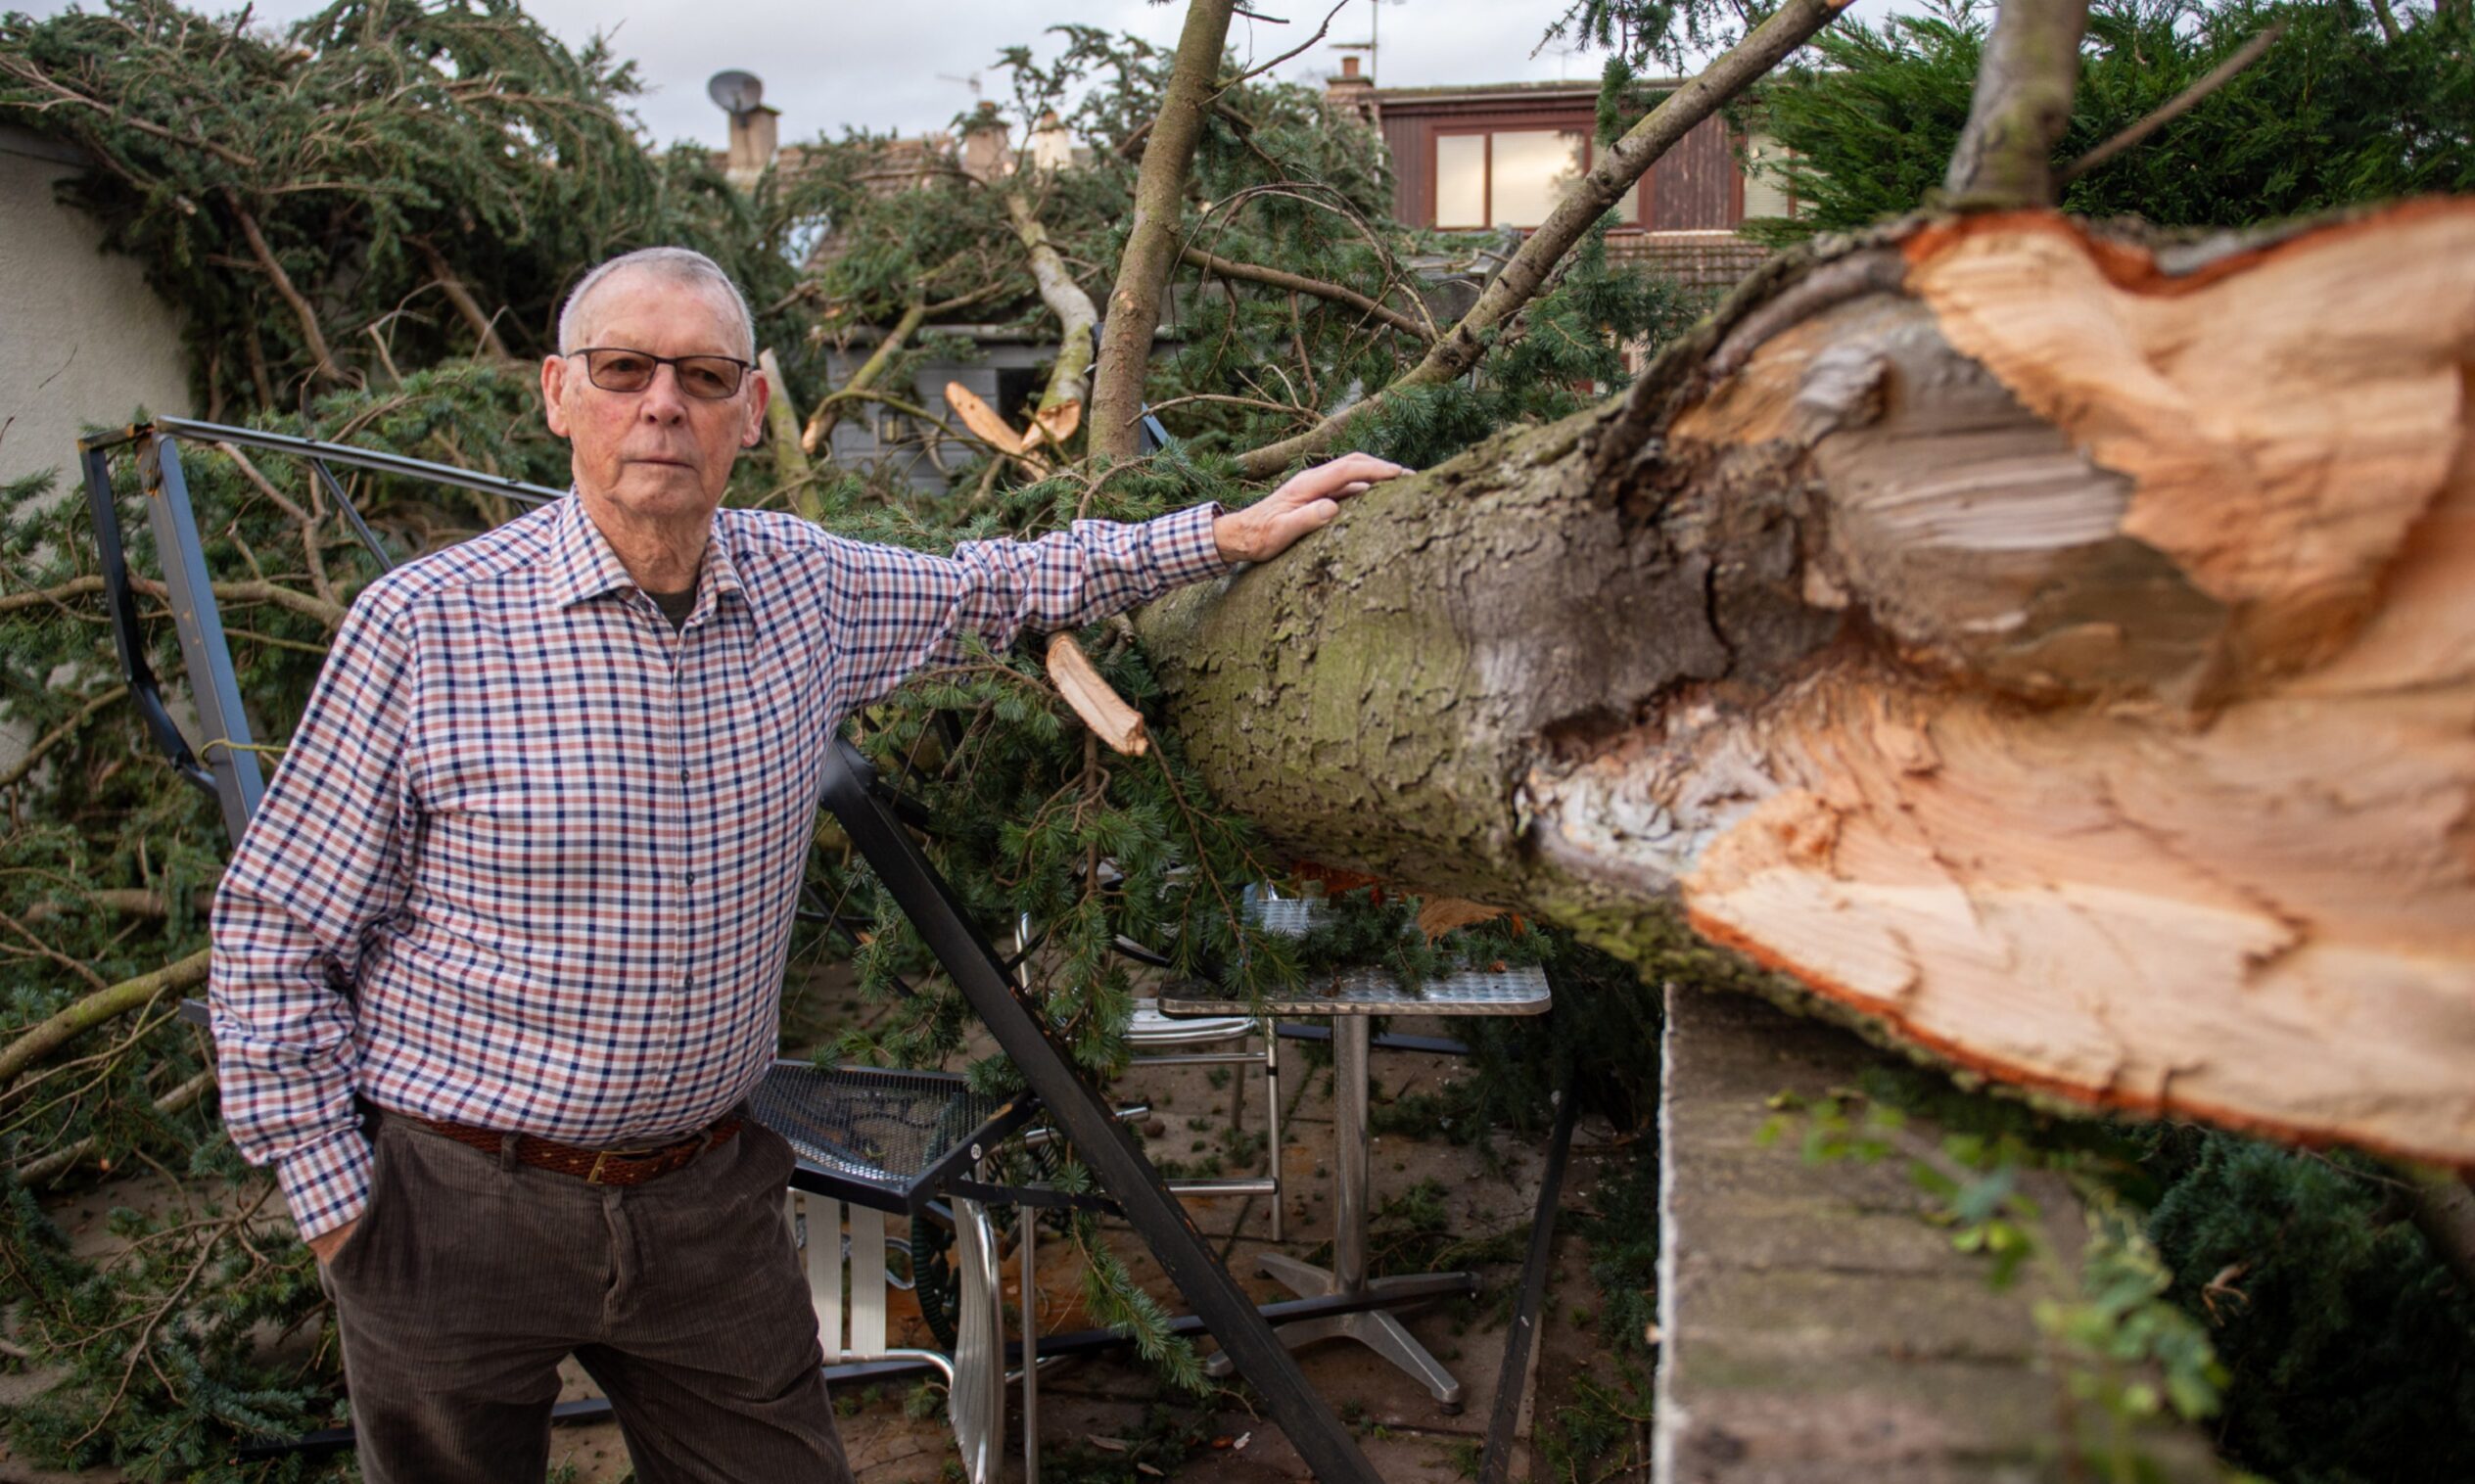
736 92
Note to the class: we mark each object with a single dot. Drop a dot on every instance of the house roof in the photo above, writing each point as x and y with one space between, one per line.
1480 92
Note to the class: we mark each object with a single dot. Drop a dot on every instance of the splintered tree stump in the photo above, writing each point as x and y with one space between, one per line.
2052 651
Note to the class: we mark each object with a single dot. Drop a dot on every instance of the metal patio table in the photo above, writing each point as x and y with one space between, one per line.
1352 999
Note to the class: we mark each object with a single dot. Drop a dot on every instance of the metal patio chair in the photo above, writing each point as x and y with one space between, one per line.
874 1142
1163 1041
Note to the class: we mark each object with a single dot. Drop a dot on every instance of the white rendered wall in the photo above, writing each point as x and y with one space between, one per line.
83 339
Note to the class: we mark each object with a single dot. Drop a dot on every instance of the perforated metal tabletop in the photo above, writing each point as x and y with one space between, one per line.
1515 990
881 1137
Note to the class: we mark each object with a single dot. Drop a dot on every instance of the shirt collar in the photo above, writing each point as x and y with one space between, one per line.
580 564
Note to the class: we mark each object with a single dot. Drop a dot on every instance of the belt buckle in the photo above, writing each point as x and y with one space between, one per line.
601 1157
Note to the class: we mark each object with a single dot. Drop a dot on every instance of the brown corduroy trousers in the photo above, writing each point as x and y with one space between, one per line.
471 1276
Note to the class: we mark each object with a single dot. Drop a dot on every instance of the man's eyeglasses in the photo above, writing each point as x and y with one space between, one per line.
708 377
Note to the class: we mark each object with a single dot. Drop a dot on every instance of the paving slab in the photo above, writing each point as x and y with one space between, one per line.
1814 1324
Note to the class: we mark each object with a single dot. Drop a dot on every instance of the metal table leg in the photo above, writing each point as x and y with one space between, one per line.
1374 1328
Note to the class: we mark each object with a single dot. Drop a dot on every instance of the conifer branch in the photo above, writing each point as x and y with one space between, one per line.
51 1166
462 299
1278 278
821 423
18 771
323 361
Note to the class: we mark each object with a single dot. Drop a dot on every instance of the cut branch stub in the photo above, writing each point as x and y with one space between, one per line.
2055 655
2022 105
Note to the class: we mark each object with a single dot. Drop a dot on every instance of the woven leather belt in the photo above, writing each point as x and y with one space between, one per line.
596 1167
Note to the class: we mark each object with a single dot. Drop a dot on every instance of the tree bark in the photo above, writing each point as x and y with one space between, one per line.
2006 158
106 1004
1065 299
2053 655
1151 241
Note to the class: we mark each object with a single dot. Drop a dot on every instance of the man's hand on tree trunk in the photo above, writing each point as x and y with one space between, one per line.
1307 502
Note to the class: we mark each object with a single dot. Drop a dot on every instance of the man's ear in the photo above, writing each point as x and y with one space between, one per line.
760 394
554 370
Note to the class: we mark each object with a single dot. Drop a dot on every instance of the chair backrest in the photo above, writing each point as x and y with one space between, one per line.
836 1240
841 1240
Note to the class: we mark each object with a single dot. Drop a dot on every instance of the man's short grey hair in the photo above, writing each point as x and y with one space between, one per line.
683 265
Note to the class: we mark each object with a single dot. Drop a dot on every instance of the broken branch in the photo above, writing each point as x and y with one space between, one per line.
1336 292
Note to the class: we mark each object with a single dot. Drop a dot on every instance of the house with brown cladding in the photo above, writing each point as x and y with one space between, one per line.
1487 156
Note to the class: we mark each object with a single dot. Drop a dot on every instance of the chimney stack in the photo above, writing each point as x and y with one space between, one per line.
755 136
1352 90
985 151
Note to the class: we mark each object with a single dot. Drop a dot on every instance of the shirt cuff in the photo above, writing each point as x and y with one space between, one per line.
327 1183
1183 547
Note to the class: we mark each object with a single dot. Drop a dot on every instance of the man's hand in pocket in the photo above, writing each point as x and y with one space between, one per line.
323 1246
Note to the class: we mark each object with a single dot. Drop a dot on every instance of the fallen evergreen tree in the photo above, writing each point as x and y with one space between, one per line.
1736 641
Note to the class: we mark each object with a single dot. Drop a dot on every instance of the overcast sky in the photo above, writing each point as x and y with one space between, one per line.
905 65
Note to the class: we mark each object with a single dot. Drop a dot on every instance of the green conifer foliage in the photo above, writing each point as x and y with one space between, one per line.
2333 114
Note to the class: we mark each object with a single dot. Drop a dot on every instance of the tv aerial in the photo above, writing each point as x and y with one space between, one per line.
736 92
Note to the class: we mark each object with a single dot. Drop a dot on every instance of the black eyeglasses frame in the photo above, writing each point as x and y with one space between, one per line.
587 353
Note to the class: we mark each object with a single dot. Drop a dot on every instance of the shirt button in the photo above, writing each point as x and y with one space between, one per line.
687 877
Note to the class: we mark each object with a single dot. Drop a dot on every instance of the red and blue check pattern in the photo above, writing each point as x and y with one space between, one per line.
554 848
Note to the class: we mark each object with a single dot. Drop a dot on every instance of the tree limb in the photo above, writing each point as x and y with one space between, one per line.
1280 279
462 299
2175 107
255 591
830 411
2005 157
1142 273
781 421
57 1163
1065 299
1618 168
1950 645
18 771
75 1019
273 268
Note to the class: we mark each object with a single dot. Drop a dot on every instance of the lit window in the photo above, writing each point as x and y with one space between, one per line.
1512 177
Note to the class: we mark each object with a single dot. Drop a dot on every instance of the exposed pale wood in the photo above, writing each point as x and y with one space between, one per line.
2056 656
1060 407
982 419
1093 699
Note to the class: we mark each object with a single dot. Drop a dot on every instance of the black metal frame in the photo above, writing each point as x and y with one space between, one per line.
224 764
1075 1107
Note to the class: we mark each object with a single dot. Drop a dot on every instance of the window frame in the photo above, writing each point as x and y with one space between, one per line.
1486 130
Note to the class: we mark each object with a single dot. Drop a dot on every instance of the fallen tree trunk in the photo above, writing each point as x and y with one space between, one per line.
2055 655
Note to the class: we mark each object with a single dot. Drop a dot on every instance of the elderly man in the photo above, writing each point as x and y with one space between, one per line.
500 956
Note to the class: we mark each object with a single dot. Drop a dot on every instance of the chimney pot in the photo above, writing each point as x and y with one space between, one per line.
1350 67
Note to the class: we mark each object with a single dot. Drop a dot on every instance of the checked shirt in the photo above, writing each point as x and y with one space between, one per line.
553 848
